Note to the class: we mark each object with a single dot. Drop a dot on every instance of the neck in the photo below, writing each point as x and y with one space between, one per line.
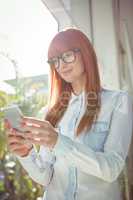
79 85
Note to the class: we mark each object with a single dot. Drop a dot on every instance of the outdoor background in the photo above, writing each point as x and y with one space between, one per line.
26 29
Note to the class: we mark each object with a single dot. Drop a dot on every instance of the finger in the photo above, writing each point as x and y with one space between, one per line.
35 121
34 129
11 132
38 137
37 141
20 152
34 132
14 139
14 146
14 132
31 135
7 125
8 132
15 143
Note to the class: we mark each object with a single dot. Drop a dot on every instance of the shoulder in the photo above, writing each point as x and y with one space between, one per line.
115 93
117 97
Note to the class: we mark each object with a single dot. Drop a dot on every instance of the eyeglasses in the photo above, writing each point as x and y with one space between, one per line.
66 57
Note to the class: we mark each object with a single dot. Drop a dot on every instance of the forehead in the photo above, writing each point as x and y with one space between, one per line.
61 45
59 49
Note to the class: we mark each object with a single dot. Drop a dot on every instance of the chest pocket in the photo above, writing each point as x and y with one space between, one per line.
97 136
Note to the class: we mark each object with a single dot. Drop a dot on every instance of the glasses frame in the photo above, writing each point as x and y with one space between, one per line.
51 62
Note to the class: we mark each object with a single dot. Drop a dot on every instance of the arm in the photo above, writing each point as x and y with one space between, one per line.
106 165
40 166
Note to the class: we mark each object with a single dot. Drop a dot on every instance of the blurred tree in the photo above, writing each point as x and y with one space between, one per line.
14 181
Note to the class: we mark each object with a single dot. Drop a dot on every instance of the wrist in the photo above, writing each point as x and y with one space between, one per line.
28 151
56 139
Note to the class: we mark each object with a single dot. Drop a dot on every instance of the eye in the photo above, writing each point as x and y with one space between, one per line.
67 54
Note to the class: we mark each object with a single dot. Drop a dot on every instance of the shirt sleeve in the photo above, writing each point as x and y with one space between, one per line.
105 165
39 165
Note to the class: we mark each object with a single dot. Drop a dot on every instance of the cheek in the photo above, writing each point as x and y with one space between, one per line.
79 68
79 65
82 69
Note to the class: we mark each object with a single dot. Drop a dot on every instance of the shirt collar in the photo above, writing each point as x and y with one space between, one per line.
75 97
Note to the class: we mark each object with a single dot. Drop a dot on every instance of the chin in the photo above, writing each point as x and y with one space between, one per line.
69 80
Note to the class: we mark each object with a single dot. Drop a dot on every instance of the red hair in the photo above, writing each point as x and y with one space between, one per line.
61 90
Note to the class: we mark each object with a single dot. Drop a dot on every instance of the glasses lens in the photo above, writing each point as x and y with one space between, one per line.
68 57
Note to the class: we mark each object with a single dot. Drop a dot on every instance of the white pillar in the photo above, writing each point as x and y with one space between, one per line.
105 42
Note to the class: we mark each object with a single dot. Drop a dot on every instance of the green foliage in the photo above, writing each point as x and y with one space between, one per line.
14 181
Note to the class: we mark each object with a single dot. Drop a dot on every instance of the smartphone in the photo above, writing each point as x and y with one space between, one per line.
14 115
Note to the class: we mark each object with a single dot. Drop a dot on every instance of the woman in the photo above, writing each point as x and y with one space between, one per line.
85 137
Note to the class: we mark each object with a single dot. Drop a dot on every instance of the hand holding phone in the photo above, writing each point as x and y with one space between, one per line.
14 116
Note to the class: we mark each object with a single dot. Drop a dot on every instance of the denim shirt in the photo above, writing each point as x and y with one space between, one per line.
86 167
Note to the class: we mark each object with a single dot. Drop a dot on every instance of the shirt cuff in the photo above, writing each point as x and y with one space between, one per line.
28 157
44 154
63 145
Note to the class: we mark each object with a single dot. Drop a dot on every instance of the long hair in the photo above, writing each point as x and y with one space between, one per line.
60 90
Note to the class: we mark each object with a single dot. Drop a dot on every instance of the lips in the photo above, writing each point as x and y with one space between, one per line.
66 72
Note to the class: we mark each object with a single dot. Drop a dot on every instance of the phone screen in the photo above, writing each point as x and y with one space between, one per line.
14 115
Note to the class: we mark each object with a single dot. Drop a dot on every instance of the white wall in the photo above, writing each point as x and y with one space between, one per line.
80 14
123 16
103 38
126 38
97 19
126 13
105 42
